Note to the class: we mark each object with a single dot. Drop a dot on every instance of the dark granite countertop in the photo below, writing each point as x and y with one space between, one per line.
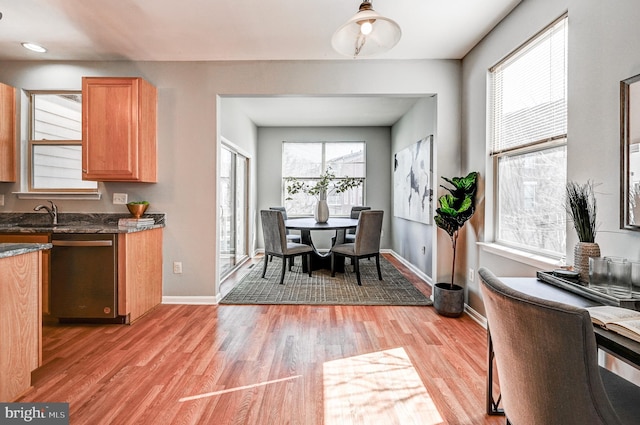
13 249
72 223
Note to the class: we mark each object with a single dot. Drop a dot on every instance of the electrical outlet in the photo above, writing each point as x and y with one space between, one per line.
177 267
472 275
119 198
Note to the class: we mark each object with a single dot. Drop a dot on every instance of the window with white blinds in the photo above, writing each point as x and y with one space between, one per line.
529 92
528 121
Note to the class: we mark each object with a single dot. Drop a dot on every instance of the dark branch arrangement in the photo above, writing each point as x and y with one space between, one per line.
581 207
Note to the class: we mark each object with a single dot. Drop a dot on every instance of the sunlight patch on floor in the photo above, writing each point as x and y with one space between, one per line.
230 390
376 388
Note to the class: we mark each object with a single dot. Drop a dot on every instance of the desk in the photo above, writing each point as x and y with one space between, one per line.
306 225
612 343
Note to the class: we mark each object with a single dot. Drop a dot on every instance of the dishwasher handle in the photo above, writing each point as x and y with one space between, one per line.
82 243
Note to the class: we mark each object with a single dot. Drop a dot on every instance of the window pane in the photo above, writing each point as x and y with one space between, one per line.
301 159
57 117
346 159
529 92
58 167
531 190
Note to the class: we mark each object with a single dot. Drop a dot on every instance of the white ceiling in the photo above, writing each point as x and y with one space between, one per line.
229 30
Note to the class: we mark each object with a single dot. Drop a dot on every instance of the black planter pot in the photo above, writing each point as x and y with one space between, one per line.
448 301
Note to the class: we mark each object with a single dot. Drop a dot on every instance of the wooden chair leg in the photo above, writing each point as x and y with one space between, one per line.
309 263
284 268
378 266
356 262
264 269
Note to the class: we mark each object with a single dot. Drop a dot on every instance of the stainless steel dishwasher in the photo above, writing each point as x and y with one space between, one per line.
84 277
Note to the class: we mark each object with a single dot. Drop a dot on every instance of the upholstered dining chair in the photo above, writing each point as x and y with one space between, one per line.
350 236
366 244
291 237
276 244
546 356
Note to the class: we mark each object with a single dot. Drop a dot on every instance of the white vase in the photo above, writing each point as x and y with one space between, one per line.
322 209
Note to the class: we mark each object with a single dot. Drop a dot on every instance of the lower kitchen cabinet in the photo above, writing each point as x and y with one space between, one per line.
138 286
46 257
20 323
139 272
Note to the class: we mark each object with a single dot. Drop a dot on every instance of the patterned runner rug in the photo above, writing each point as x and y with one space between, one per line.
322 289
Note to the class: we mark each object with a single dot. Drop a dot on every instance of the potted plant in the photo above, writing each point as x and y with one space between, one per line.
581 207
455 208
327 183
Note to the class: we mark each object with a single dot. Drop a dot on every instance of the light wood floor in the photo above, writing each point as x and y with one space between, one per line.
311 365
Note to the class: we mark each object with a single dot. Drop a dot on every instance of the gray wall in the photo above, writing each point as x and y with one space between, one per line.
189 95
602 51
409 237
377 187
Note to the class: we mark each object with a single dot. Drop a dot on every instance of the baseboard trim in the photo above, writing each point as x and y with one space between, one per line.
192 300
475 316
410 266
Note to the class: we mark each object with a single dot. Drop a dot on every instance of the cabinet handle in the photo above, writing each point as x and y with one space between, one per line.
81 243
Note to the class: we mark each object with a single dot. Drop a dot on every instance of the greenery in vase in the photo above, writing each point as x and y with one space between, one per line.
139 203
581 207
456 207
327 183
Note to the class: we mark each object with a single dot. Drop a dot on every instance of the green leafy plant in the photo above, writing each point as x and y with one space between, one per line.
327 183
581 207
455 208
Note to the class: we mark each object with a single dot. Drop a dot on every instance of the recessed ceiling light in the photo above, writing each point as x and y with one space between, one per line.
34 47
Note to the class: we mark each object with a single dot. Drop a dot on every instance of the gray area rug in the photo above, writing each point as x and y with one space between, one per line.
322 289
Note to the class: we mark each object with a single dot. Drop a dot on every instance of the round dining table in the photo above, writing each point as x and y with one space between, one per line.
338 224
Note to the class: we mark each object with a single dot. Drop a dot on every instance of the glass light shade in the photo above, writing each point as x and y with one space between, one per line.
349 40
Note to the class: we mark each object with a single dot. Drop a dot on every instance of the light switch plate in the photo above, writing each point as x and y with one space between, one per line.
119 198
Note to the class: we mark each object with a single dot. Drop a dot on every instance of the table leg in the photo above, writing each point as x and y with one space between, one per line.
318 259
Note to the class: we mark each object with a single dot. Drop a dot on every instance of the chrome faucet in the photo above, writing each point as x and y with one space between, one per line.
53 211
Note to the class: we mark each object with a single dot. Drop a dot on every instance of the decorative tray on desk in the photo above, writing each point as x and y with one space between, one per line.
579 288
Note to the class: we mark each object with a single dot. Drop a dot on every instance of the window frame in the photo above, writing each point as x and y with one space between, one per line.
32 143
555 141
323 164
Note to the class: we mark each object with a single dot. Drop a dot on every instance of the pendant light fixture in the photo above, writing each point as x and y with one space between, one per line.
367 33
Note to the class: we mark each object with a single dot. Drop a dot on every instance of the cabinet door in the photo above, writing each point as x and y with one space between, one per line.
7 133
46 258
118 130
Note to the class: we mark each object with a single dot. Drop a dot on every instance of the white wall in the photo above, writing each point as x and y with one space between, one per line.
188 134
602 51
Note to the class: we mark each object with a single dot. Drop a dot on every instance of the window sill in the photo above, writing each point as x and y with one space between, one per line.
85 196
530 259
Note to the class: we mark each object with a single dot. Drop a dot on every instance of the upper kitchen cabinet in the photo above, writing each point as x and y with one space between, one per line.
7 133
119 130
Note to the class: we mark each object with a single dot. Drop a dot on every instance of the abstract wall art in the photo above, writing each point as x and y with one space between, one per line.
412 182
